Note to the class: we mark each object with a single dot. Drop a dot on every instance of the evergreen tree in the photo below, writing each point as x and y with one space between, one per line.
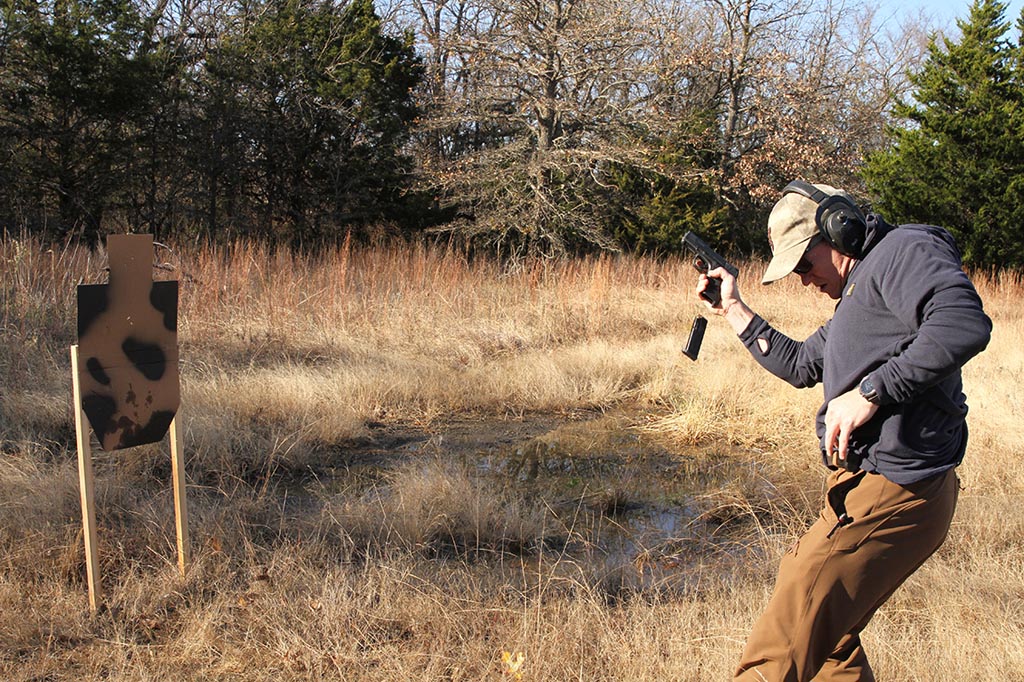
76 77
958 158
306 111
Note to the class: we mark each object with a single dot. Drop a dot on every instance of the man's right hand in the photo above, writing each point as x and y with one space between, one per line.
731 306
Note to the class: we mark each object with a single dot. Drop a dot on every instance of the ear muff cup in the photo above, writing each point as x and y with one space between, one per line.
839 221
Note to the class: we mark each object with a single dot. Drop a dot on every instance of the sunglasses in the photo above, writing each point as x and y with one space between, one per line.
804 266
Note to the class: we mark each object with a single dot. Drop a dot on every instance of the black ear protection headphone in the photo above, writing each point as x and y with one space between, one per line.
839 221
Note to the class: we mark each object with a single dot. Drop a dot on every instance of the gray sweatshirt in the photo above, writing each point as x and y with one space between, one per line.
910 318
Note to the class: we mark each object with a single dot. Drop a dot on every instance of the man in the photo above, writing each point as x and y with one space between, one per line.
891 427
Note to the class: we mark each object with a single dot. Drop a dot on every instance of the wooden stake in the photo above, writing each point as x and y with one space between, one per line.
86 488
180 507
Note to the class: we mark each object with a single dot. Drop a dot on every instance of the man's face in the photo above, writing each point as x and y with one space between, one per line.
824 268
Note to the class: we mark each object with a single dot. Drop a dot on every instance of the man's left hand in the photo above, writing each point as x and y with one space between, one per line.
844 414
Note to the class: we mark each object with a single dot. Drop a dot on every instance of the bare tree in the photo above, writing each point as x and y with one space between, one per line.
820 100
527 101
533 107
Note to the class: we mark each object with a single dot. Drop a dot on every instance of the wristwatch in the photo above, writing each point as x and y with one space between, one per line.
868 390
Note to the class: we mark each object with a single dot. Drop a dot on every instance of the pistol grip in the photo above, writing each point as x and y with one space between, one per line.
713 293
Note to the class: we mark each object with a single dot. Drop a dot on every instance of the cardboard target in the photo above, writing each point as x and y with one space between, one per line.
127 341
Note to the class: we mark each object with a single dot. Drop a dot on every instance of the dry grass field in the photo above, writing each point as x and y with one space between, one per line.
406 464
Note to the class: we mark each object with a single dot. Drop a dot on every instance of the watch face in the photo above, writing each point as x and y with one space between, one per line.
867 389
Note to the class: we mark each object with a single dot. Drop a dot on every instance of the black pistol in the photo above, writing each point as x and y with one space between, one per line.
704 259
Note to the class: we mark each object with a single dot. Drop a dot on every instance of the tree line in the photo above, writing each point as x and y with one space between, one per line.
283 120
534 127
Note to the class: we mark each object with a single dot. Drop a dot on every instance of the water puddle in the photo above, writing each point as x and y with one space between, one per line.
636 512
623 509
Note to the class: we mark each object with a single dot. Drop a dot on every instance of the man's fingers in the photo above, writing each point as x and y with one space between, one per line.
838 452
837 439
842 446
831 438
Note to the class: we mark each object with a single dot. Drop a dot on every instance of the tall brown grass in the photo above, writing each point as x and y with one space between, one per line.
327 546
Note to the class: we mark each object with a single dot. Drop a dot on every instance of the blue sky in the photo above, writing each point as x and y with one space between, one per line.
945 10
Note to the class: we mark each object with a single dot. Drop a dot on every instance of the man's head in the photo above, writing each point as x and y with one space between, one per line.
798 243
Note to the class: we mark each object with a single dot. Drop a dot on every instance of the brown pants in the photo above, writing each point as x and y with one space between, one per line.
836 576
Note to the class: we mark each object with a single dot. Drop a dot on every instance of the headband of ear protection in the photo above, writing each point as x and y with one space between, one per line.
839 221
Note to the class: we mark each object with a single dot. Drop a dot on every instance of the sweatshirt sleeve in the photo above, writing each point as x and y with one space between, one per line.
928 290
799 363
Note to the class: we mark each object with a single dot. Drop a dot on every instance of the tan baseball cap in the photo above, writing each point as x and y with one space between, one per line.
792 226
